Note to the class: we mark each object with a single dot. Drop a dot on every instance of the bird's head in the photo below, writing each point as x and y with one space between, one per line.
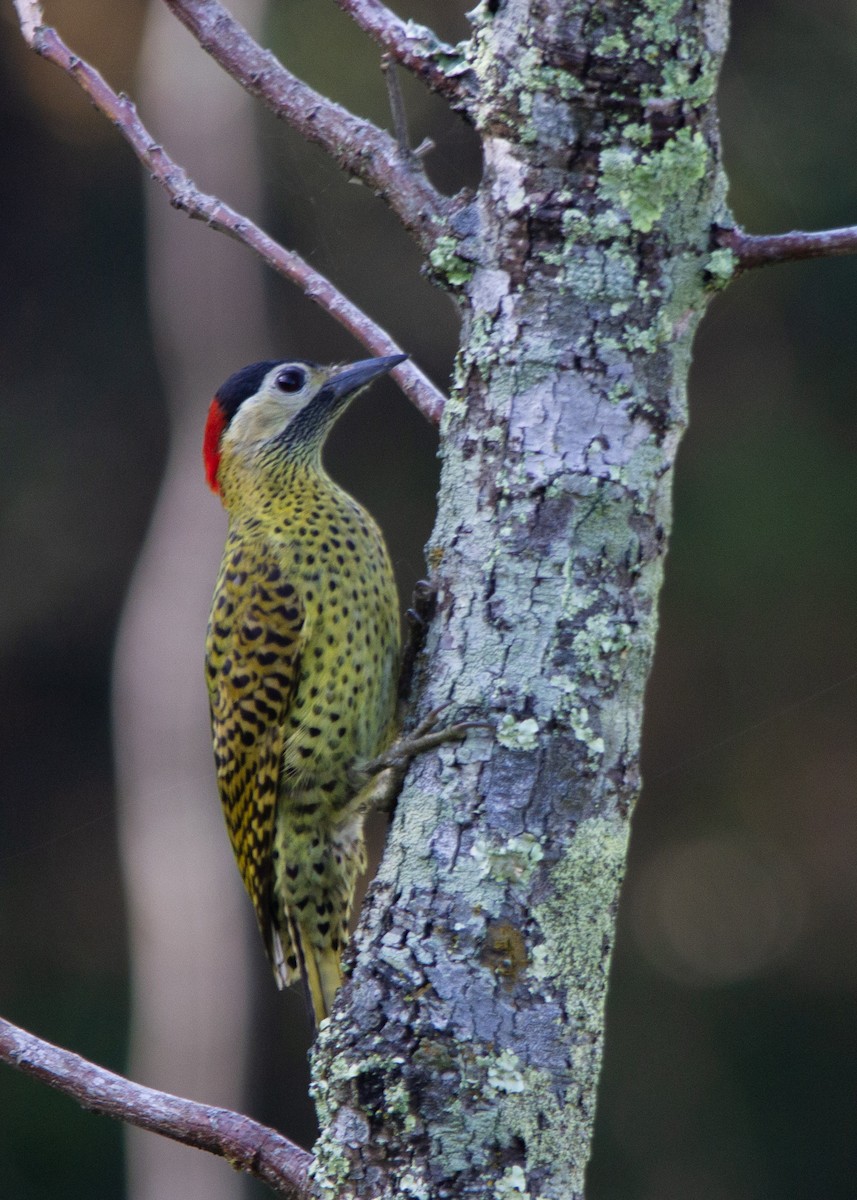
281 405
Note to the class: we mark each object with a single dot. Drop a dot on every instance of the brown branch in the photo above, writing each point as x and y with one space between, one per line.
244 1143
442 67
358 146
184 195
757 250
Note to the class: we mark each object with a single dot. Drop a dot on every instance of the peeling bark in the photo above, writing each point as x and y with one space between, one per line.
463 1059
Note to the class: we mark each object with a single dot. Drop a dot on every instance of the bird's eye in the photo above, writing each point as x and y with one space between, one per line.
291 379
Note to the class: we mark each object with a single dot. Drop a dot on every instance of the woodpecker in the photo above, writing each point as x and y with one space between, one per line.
301 658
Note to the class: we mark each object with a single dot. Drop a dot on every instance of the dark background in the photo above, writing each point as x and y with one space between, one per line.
731 1065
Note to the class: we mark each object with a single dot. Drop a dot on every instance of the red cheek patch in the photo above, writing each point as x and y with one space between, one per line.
214 428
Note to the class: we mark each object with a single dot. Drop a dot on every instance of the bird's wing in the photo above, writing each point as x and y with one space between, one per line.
253 665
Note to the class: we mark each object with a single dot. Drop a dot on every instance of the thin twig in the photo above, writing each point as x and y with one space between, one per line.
361 148
246 1144
400 120
397 105
757 250
442 67
184 195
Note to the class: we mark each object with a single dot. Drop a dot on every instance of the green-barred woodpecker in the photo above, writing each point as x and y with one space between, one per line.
301 658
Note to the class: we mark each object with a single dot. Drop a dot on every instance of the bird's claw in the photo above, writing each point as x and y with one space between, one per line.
424 737
387 770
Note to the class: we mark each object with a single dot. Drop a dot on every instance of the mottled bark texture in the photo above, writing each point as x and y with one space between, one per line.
463 1059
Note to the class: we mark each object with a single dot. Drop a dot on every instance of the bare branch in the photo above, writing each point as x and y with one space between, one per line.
185 196
757 250
442 67
397 105
244 1143
400 121
358 146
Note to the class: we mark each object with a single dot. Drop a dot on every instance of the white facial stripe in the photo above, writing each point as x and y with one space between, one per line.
266 414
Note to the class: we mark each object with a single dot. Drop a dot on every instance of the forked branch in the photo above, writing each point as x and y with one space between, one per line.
442 67
185 196
361 148
244 1143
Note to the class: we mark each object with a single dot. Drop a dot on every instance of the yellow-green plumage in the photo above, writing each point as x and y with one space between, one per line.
302 658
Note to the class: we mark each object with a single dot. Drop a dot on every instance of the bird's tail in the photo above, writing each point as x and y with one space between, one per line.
317 875
322 975
317 967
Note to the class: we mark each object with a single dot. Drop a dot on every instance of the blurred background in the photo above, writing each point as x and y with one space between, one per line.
731 1063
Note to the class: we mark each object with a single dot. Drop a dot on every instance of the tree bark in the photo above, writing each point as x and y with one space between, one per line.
463 1059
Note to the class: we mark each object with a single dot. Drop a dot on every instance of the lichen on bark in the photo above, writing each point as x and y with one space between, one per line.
464 1058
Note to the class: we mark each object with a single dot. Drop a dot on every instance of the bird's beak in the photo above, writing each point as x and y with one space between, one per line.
359 374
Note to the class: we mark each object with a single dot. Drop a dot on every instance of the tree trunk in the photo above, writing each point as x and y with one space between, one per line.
464 1056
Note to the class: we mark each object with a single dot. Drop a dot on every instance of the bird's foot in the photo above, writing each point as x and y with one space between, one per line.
388 769
426 736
